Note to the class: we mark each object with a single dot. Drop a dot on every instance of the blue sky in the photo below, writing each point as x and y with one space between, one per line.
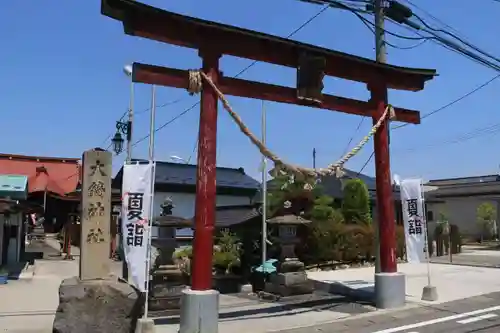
62 86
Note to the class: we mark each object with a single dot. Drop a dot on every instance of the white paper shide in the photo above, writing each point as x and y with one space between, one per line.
136 199
412 202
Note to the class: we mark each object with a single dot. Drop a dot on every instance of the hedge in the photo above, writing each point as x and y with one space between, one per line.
344 243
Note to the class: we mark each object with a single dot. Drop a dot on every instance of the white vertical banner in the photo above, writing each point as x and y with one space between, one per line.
414 220
136 203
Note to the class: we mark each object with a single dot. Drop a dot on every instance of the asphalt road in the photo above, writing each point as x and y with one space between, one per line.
479 314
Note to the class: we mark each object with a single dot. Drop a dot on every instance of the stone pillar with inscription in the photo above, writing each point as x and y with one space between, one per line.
96 215
96 301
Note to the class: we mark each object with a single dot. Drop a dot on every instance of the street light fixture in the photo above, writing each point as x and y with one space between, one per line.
125 127
127 69
117 142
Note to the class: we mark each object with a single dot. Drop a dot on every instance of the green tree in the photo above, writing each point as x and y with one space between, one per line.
298 192
321 242
442 217
322 209
356 202
486 214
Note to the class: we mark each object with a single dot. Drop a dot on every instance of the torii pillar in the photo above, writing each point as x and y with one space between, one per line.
390 285
201 301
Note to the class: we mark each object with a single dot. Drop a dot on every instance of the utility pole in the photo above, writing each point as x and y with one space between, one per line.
380 56
264 188
128 72
314 158
380 50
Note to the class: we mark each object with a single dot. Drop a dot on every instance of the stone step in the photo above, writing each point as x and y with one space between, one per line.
297 289
290 278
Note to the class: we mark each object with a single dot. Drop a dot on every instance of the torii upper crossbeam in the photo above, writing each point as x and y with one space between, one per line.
214 40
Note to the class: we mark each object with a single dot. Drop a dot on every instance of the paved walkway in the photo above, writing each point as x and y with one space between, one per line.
452 282
472 256
28 306
52 241
32 304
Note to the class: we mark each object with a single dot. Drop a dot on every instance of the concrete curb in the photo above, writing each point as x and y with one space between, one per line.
467 264
26 274
333 287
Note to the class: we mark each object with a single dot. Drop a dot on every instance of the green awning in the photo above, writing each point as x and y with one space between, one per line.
14 187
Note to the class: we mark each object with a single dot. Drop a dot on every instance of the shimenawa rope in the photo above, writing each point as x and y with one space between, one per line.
195 86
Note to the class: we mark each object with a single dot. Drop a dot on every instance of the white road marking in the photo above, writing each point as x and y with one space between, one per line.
478 318
438 320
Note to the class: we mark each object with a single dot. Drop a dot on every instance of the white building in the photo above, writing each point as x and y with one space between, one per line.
459 198
178 181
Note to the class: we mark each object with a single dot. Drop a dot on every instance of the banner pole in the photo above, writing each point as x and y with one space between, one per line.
429 293
426 234
151 197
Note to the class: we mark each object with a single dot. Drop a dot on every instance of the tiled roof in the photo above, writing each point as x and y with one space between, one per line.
168 173
226 216
464 180
56 175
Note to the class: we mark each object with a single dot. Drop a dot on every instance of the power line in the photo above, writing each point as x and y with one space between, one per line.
436 38
457 38
357 12
433 17
439 110
138 113
435 41
401 15
167 123
449 45
454 101
194 150
371 26
253 63
476 133
366 163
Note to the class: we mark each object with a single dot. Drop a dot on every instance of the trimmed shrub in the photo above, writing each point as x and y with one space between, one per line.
442 238
356 203
330 241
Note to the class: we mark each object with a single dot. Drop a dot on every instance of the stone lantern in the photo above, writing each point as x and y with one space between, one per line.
168 280
291 278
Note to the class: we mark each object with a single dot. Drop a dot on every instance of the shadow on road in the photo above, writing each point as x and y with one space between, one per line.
286 307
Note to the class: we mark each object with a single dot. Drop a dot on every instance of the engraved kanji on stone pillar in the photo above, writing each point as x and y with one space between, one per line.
95 215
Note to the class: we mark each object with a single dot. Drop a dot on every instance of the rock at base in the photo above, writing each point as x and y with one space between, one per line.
97 306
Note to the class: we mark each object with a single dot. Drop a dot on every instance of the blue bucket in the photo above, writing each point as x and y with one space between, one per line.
4 277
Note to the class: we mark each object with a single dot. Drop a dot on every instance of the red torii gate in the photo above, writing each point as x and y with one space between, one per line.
214 40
